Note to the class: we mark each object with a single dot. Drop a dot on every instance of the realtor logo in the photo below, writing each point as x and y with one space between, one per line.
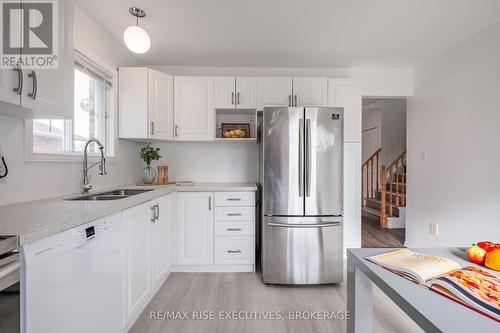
29 34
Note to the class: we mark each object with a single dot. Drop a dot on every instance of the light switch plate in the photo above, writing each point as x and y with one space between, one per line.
434 229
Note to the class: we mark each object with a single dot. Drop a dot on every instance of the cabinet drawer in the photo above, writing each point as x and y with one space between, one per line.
235 250
235 228
234 214
240 199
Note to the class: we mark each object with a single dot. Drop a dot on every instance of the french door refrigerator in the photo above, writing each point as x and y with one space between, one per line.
302 190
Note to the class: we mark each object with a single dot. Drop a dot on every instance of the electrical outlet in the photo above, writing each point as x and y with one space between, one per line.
424 156
434 229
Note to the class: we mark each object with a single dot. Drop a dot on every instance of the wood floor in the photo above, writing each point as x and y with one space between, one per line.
374 236
246 292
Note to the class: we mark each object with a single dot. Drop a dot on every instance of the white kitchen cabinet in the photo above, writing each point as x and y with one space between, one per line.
161 231
46 93
310 91
352 195
9 80
246 93
224 91
235 92
346 93
193 108
145 104
274 91
195 228
137 276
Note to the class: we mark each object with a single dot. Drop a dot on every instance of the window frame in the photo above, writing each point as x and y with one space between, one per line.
110 122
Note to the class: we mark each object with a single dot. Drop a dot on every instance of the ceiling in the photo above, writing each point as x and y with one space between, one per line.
292 33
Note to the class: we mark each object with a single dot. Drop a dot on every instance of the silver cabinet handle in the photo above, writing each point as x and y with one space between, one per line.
233 229
20 80
295 100
210 203
233 214
35 85
289 100
233 251
153 211
157 211
301 157
176 130
233 199
152 128
238 98
308 157
232 99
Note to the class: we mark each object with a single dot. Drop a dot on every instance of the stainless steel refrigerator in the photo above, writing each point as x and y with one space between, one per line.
302 195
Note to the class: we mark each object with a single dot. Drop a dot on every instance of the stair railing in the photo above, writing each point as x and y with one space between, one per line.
370 174
393 186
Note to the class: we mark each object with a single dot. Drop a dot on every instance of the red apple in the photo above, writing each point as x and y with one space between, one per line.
488 246
476 254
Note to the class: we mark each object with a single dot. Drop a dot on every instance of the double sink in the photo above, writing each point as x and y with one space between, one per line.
111 195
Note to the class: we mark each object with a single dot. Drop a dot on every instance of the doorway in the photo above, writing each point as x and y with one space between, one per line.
383 172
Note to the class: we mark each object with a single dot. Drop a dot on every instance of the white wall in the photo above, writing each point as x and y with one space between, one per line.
371 138
393 129
378 82
211 162
389 117
34 180
454 117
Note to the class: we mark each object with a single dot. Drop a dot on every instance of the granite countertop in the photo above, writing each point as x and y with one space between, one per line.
34 220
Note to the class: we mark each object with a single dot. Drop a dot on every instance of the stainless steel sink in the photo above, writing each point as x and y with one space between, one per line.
99 197
111 195
127 192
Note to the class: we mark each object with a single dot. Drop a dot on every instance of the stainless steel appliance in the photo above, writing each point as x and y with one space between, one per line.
10 306
302 190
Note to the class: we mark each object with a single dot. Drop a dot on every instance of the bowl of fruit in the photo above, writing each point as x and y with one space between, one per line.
485 253
235 131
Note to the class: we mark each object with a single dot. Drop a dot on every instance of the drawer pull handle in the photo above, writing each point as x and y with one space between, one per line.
233 199
233 229
233 251
234 214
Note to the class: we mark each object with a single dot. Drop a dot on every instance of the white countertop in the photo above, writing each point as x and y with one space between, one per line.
34 220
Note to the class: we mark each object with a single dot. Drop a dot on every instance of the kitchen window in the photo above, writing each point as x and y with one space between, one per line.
60 139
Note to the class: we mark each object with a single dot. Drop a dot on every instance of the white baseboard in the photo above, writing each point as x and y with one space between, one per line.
214 269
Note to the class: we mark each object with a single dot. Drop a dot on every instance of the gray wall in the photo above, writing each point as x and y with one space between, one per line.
454 120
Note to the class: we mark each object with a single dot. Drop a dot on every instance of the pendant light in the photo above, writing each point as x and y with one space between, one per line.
135 37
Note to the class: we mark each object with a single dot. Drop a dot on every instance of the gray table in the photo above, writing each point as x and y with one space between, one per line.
431 311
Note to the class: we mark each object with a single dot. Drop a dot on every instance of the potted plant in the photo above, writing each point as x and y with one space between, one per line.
149 154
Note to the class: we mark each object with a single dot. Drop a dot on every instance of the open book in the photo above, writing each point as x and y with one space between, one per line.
470 286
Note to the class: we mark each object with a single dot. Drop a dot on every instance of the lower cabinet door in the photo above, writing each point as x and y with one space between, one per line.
237 250
195 228
137 285
160 236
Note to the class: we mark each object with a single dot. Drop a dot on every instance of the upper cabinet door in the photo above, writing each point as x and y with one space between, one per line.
50 91
161 105
310 91
224 92
346 93
133 103
274 91
246 93
10 85
193 108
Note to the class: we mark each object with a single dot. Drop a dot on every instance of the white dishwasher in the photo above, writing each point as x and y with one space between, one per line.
73 280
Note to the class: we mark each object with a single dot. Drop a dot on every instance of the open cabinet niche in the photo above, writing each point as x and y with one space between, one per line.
236 116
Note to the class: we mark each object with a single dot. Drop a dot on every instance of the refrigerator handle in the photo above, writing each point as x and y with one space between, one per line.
308 157
301 157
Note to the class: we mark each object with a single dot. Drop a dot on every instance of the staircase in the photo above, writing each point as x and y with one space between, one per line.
384 191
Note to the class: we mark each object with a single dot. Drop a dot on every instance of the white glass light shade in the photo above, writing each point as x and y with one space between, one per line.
137 39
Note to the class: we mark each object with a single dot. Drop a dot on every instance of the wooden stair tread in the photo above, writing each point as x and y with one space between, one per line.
371 210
